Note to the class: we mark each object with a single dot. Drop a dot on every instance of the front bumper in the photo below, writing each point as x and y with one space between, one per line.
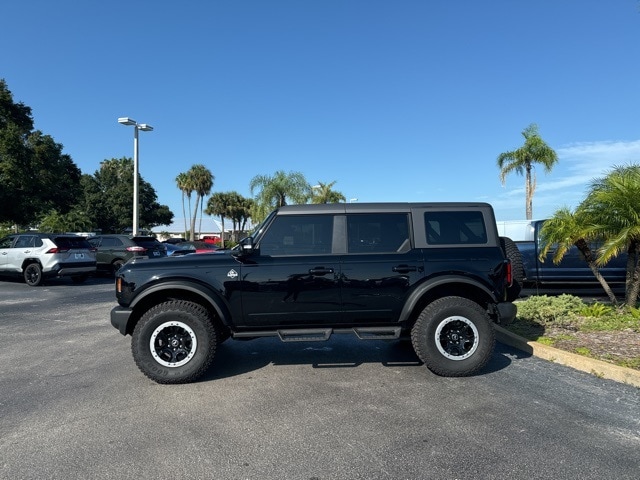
120 318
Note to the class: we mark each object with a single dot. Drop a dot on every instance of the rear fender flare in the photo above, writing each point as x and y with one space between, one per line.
424 288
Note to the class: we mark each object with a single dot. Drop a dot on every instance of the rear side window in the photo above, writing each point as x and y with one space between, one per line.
378 233
298 235
111 242
25 241
455 228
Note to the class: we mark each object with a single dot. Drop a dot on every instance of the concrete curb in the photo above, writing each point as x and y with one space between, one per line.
579 362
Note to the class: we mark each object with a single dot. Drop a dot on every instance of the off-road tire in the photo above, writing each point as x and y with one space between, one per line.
33 274
175 342
511 251
453 336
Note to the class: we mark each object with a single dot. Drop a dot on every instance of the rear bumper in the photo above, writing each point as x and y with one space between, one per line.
76 268
506 312
120 318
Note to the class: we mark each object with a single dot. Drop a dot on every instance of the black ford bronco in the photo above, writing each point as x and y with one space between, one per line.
435 272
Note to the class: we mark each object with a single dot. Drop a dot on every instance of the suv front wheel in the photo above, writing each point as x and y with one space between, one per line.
453 336
174 342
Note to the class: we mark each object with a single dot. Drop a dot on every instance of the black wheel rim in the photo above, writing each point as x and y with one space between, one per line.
456 338
173 344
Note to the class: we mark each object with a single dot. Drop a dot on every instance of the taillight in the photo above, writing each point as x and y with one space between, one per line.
136 249
119 285
509 273
57 250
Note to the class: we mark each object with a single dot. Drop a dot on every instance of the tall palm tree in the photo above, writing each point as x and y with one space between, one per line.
182 180
324 193
203 187
612 204
522 161
200 179
218 205
273 191
566 229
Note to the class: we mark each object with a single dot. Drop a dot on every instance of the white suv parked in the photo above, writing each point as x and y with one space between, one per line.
36 256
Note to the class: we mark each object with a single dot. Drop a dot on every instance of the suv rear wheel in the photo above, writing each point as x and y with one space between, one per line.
174 342
453 336
33 274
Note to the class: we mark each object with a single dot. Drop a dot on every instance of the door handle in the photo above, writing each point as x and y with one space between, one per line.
404 268
320 271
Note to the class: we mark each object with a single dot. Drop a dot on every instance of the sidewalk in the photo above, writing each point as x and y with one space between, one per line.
579 362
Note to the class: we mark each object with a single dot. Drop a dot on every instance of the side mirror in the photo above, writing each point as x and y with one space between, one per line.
245 247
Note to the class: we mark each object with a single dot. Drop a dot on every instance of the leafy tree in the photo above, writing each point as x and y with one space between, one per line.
324 193
566 229
522 161
612 206
273 191
35 176
609 214
108 194
73 221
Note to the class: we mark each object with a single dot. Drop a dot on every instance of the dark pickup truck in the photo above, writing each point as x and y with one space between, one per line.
573 268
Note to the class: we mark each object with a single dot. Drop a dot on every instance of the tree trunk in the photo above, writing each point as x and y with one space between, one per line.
528 194
584 249
632 287
222 232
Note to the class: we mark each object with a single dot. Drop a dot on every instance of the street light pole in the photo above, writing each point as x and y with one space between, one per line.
145 128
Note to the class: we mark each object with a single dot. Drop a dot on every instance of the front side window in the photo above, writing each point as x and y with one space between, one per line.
455 228
378 233
298 235
6 242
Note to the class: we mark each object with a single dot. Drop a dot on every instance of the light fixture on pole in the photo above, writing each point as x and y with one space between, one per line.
145 128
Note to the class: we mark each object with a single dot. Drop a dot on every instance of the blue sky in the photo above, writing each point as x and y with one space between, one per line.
407 100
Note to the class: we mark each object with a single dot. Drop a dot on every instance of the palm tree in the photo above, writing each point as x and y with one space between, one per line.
323 193
566 229
522 161
200 180
182 180
203 185
273 191
218 205
612 205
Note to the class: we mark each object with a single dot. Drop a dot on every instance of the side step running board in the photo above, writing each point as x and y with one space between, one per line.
323 334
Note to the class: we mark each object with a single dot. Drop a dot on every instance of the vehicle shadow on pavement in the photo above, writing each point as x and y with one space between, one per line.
241 357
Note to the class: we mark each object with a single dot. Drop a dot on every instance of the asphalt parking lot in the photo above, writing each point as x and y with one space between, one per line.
74 405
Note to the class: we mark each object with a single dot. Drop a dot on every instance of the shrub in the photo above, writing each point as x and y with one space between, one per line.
596 309
546 310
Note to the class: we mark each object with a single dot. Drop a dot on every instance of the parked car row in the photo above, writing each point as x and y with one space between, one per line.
37 256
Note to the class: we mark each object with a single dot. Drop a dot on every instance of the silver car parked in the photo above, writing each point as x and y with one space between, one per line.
37 256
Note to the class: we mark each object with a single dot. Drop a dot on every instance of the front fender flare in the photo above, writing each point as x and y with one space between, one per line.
209 295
